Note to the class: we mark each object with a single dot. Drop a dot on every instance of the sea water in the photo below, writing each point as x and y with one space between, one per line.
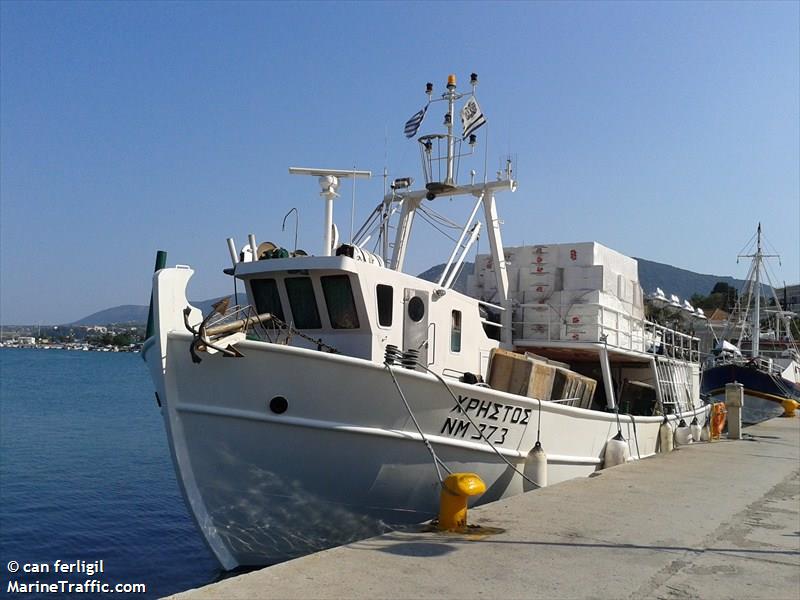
86 476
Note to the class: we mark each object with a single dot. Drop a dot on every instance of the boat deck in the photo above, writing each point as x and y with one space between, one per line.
714 520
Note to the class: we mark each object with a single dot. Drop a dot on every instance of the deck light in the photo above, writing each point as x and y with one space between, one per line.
402 183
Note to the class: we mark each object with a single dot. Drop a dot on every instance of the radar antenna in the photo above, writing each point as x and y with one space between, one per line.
329 184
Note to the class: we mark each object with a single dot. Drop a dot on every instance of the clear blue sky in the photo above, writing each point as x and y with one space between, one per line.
664 130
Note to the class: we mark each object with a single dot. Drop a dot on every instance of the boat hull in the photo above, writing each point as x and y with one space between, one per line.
763 392
344 461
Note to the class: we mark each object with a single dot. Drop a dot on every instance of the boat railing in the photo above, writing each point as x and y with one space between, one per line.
491 306
603 324
767 365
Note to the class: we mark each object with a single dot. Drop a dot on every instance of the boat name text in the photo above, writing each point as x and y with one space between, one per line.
493 411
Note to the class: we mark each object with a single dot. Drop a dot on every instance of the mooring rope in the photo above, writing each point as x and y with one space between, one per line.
478 429
436 460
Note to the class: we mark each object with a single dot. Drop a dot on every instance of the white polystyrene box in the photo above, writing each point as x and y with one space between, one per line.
542 332
531 255
588 333
587 254
540 314
472 286
595 277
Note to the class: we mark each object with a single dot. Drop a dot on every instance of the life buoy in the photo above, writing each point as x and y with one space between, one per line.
718 417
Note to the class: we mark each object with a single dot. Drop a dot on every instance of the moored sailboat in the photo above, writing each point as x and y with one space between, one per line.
757 348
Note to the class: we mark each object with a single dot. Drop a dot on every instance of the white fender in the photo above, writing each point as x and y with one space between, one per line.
683 435
616 451
696 430
536 465
665 437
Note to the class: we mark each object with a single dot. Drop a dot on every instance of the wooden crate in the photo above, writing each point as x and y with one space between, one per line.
517 374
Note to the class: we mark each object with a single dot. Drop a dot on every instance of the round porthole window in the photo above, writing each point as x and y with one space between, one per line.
416 308
278 405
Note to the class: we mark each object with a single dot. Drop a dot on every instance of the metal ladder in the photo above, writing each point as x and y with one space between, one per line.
674 381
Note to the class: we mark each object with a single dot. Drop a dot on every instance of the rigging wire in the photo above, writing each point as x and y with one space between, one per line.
432 224
444 221
436 460
748 244
478 429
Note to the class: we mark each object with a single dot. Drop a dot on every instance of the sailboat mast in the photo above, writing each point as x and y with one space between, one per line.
756 332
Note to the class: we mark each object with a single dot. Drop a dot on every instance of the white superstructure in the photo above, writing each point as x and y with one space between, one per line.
329 406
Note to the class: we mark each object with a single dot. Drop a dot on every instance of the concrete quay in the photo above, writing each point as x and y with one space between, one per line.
712 520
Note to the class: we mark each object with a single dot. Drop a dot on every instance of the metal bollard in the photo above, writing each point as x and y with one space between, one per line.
734 401
453 499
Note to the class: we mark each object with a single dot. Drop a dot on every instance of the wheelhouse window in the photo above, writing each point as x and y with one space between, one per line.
266 297
339 300
385 301
303 302
455 331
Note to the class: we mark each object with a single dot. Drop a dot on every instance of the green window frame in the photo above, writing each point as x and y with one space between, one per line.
303 302
339 300
266 297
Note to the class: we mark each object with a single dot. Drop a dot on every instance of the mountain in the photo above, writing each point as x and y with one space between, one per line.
126 313
133 314
680 282
460 284
671 279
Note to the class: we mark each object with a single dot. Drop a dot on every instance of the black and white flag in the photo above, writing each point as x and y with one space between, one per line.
412 125
471 117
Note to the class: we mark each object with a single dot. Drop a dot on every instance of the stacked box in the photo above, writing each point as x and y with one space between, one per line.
541 320
587 254
540 283
541 332
591 291
596 277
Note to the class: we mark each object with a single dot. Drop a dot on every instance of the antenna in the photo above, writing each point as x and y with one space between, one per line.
296 224
329 183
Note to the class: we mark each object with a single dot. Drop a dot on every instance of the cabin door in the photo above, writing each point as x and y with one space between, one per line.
415 322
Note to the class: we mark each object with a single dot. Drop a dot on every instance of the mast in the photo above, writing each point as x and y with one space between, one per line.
449 152
756 331
754 285
451 97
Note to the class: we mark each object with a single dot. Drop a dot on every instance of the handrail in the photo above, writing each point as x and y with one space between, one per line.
623 331
760 363
489 304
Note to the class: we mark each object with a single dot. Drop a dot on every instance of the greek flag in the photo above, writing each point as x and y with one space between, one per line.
412 125
471 117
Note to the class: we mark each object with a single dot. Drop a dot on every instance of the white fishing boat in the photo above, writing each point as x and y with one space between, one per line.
331 403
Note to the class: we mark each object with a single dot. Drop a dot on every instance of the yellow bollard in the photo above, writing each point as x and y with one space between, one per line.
453 499
789 406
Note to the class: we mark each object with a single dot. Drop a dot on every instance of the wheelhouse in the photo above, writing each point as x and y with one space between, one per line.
358 308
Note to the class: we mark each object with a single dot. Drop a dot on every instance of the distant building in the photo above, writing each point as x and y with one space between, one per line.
789 297
26 341
97 329
718 316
